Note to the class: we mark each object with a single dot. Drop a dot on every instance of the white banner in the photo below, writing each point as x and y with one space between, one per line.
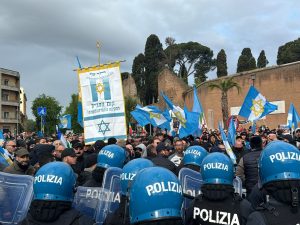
102 103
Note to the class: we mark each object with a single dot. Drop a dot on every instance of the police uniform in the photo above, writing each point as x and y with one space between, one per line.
218 204
279 173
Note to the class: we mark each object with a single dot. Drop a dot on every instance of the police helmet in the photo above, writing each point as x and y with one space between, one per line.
55 181
194 155
130 170
217 168
155 194
279 161
111 156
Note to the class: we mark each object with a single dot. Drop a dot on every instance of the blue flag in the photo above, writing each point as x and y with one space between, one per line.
256 106
1 138
65 122
293 117
197 107
155 116
79 114
4 157
188 120
139 116
231 132
227 145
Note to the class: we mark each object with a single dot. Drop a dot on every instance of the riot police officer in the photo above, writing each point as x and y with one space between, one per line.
53 188
279 173
218 204
193 157
129 171
155 198
109 156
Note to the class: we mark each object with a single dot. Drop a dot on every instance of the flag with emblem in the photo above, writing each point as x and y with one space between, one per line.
65 122
188 120
231 132
155 116
256 106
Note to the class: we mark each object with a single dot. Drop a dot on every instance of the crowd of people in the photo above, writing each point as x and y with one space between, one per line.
267 163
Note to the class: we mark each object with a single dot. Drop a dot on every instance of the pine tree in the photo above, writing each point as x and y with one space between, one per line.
289 52
246 61
221 64
262 60
154 61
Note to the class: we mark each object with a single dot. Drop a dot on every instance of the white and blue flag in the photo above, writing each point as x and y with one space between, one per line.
65 122
188 120
197 107
227 145
231 132
156 117
293 117
256 106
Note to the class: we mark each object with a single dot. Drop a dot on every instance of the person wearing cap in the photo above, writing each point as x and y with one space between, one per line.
162 158
78 167
21 165
69 156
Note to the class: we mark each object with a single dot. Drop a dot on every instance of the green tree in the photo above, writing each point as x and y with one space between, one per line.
246 61
221 64
224 86
30 125
155 60
53 111
72 109
138 74
183 74
130 104
289 52
197 58
171 52
262 60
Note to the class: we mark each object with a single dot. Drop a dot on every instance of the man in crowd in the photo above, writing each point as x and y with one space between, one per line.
10 148
162 158
69 156
21 165
177 157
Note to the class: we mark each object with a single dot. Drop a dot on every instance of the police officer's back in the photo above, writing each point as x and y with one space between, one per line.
155 198
218 204
193 157
129 171
279 172
109 156
53 195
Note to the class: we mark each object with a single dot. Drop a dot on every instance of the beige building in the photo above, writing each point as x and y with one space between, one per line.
23 105
10 100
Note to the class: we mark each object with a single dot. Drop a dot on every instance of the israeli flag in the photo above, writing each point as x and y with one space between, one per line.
227 145
293 117
256 106
188 120
65 122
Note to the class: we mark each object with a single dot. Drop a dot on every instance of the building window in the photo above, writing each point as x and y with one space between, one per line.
4 97
5 115
6 82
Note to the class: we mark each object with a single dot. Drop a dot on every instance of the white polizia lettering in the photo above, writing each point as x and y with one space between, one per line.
192 151
217 217
216 165
48 179
163 187
107 153
282 156
106 196
127 176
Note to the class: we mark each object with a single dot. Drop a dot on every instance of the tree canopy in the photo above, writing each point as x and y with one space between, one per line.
221 64
72 109
289 52
246 61
53 112
262 60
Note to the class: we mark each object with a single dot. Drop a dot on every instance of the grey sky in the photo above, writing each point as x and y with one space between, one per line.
40 39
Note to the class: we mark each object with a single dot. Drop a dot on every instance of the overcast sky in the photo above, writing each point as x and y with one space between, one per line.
40 39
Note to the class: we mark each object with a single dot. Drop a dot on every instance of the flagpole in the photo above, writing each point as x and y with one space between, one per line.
98 46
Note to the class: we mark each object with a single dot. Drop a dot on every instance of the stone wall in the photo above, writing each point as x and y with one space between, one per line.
129 87
277 83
